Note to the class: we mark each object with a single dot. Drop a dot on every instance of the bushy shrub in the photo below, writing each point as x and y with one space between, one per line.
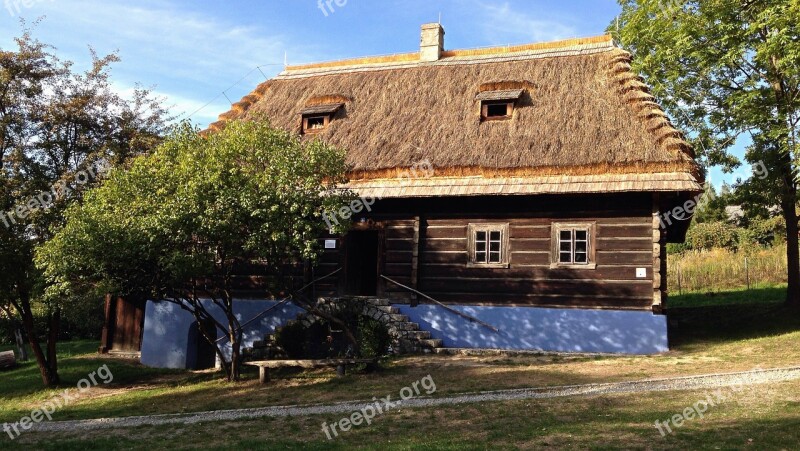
325 340
81 321
770 231
677 248
710 235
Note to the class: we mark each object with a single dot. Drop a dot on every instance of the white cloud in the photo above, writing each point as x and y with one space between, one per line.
173 41
187 55
502 24
201 112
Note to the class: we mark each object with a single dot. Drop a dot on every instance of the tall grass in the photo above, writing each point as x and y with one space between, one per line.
722 269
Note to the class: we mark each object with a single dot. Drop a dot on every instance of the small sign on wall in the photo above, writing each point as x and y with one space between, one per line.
641 273
330 244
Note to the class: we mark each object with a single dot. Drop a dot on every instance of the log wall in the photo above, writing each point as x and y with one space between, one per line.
425 246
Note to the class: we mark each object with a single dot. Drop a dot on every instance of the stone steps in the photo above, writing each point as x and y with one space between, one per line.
407 336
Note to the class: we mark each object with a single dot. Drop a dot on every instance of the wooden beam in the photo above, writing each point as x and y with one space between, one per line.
659 246
105 338
415 253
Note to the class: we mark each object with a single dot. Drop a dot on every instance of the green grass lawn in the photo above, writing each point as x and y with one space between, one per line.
762 418
763 294
720 333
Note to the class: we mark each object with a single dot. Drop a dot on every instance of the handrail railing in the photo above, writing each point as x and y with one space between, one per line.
471 319
317 280
284 301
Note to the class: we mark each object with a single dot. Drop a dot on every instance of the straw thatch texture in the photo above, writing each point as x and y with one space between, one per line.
582 112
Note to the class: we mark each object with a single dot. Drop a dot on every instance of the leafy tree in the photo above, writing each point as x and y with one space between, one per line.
724 68
55 126
712 206
177 223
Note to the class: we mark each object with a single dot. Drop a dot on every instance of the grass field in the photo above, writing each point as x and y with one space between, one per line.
728 331
723 270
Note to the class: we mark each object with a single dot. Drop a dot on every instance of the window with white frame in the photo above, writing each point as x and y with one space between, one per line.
488 245
573 245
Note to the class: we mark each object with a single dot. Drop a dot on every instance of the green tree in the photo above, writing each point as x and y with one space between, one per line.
55 126
712 206
177 223
724 68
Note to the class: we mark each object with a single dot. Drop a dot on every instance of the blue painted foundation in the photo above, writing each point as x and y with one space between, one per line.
166 341
544 329
168 328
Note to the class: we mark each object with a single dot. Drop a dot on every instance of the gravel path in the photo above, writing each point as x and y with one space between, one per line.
710 381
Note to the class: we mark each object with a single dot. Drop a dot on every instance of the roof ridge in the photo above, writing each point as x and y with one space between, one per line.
482 51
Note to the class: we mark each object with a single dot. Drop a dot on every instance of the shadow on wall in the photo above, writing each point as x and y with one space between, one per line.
172 338
543 329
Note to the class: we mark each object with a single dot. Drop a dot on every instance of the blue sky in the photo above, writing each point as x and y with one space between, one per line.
191 51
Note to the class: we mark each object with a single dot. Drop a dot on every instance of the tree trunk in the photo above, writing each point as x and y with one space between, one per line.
792 252
23 353
235 369
786 166
49 375
54 326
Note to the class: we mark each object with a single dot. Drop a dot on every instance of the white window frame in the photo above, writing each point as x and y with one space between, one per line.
558 250
473 245
326 120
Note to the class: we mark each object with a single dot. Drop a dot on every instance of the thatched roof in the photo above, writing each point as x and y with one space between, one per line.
582 118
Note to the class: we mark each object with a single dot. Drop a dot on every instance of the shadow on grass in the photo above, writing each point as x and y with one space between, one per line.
730 316
769 294
609 422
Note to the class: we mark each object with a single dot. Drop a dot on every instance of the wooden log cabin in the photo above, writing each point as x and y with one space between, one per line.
522 186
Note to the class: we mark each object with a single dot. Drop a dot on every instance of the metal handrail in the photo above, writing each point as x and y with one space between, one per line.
317 280
285 300
471 319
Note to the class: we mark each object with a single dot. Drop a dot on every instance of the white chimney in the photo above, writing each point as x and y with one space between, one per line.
432 43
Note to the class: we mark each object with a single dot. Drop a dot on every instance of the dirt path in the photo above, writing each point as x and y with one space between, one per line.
708 381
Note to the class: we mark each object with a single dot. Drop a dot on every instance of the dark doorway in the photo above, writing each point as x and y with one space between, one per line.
128 324
201 354
362 263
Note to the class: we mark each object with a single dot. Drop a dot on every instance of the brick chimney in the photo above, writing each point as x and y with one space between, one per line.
432 43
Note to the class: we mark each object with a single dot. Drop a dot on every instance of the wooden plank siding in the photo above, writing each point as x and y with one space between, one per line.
622 243
425 246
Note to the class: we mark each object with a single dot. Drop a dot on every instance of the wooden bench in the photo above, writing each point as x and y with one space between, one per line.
265 365
7 360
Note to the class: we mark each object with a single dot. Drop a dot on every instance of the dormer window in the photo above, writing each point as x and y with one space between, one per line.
493 111
313 124
498 105
317 118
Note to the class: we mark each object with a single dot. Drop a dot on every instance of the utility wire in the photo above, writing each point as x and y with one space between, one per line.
224 93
